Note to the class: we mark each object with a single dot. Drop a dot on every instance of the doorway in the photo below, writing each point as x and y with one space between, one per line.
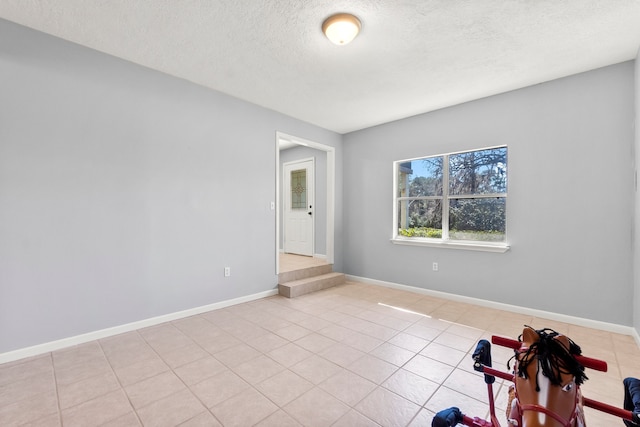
324 215
298 197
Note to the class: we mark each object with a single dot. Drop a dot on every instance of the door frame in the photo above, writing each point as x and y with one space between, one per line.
331 191
311 201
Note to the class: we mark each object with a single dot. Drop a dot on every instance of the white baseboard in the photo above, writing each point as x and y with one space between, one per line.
589 323
104 333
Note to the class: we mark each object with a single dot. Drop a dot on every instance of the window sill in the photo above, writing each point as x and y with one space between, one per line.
469 246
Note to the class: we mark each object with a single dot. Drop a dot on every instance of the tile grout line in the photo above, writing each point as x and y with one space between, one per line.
119 382
55 382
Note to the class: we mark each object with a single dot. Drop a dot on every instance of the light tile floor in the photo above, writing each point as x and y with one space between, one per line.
347 356
290 262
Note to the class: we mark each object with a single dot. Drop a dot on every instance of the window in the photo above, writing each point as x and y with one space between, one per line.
456 199
299 189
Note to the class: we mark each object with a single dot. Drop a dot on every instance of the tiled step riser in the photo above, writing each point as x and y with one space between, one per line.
305 286
290 276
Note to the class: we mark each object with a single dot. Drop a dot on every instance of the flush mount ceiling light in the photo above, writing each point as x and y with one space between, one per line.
341 28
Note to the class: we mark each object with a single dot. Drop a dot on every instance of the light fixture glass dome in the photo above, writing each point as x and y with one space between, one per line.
341 28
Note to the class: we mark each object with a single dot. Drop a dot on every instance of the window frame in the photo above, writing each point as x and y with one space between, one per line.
445 241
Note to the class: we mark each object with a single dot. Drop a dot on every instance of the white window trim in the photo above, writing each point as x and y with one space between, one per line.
451 244
444 242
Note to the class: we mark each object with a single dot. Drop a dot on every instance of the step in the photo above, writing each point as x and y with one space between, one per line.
317 270
307 285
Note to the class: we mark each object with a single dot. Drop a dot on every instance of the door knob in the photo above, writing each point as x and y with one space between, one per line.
310 213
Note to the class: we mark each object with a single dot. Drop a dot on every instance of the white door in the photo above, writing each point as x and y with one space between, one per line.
298 207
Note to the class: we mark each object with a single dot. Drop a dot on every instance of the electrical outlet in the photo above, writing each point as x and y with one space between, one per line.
227 271
435 266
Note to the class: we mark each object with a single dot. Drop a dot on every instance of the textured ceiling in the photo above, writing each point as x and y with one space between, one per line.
412 56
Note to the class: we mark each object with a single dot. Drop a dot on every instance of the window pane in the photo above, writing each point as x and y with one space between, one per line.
420 218
299 189
422 177
478 219
478 172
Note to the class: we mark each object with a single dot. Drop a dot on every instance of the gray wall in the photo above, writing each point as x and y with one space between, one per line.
636 198
320 210
569 208
125 192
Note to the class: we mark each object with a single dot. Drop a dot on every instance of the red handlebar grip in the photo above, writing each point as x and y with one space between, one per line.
587 362
506 342
595 364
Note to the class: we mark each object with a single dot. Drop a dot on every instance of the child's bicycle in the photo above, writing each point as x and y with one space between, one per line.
547 374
